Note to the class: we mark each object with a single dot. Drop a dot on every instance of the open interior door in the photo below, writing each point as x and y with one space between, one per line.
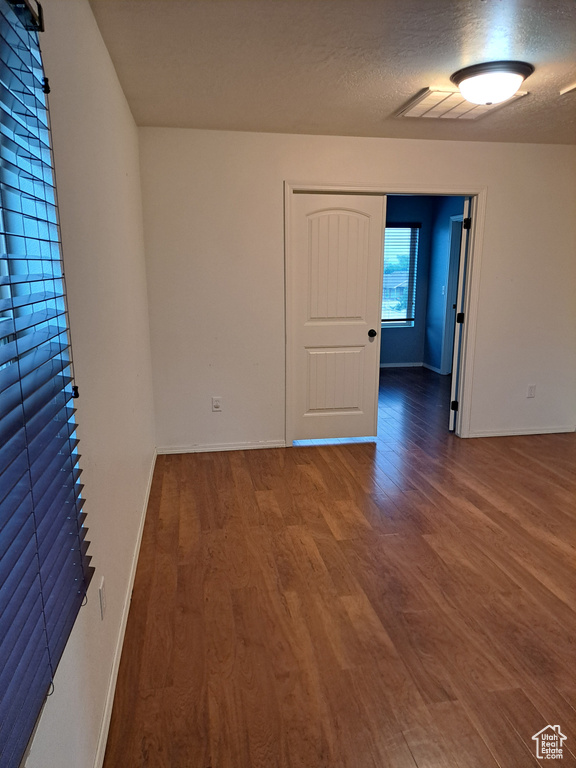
460 318
333 312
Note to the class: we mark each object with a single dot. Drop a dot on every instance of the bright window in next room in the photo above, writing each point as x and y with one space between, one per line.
400 267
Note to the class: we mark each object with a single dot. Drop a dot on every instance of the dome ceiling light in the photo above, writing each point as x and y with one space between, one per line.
493 82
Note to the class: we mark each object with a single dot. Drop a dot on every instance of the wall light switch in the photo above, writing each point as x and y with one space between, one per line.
531 390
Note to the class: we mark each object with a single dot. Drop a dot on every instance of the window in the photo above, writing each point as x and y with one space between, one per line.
399 283
44 568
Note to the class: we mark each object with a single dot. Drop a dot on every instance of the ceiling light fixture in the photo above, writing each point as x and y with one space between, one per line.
493 82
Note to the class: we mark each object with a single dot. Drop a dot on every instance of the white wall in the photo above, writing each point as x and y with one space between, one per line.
213 213
96 154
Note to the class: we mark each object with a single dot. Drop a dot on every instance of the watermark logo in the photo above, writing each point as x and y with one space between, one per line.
549 743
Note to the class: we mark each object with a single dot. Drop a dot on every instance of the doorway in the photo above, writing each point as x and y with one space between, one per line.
421 289
296 294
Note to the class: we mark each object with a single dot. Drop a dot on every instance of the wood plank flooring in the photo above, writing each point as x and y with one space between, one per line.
408 603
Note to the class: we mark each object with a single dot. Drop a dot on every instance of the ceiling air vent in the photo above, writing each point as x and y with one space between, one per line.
449 104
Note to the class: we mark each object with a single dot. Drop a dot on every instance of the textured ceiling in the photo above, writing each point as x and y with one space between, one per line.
341 67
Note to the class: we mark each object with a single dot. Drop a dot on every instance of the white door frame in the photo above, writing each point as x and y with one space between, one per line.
472 288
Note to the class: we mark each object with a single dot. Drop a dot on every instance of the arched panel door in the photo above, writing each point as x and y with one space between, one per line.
334 300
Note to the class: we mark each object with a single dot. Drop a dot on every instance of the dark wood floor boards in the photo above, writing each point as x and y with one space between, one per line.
404 603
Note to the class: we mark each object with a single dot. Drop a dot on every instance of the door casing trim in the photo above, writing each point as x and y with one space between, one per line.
478 196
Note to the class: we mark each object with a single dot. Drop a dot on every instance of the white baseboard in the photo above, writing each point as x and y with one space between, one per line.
104 728
209 447
512 432
432 368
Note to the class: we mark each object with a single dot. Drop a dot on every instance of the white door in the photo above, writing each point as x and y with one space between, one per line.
454 421
334 299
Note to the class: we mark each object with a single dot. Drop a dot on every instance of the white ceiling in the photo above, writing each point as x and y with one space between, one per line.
341 67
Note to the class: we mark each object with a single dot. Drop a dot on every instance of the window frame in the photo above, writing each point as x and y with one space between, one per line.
414 246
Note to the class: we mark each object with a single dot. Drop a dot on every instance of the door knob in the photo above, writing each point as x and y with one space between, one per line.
372 333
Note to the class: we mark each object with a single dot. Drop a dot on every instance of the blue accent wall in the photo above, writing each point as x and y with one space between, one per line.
406 345
438 279
422 343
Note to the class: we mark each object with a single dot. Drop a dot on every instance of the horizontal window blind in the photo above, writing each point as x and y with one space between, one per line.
44 567
400 268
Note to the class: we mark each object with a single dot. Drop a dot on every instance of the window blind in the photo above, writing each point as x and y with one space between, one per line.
400 269
44 566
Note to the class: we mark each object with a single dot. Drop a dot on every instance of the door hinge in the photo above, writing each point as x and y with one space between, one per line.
75 392
45 85
454 405
460 317
467 223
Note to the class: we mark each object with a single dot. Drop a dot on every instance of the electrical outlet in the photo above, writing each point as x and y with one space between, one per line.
531 390
217 404
102 595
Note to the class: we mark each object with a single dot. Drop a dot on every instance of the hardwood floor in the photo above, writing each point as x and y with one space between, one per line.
408 603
